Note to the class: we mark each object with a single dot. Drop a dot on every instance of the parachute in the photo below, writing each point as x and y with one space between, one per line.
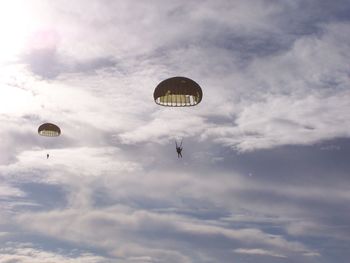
49 130
178 92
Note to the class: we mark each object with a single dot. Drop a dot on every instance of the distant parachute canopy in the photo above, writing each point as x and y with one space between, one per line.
178 92
49 129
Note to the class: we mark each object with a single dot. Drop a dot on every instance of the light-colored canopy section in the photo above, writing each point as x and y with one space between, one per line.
49 129
171 99
178 92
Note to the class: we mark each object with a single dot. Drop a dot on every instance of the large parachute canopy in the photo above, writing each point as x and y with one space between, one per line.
49 129
178 92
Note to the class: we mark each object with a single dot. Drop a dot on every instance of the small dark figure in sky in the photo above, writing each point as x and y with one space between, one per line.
47 156
178 149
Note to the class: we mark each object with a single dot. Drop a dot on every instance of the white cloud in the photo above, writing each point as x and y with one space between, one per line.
297 97
10 191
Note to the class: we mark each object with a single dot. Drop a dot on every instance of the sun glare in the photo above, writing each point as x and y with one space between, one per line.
17 21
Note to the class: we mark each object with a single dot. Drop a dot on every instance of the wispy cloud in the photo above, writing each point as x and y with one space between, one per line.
25 253
259 252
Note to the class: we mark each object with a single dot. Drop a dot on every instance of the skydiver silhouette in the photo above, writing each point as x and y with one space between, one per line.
47 156
178 149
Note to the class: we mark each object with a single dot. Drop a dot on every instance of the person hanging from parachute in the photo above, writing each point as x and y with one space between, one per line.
178 92
49 130
179 149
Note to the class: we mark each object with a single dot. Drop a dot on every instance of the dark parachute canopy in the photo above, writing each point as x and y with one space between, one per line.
49 129
178 92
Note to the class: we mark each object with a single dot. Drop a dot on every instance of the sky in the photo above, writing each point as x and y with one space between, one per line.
265 173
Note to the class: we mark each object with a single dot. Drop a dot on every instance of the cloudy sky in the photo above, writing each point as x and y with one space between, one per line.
265 173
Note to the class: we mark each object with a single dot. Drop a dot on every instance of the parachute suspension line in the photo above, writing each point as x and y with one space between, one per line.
178 145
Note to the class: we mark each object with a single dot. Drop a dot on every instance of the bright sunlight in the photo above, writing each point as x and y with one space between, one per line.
17 21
